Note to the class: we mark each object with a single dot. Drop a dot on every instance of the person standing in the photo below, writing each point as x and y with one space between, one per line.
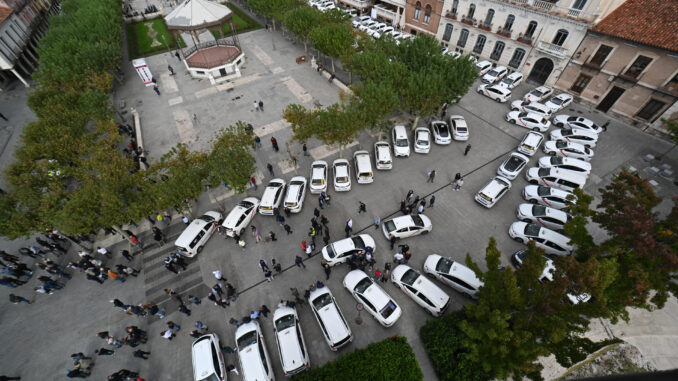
431 201
104 352
458 184
263 265
361 207
184 310
256 106
256 234
219 275
261 106
264 310
377 222
328 270
278 268
431 176
254 182
268 275
392 239
349 225
299 261
274 143
467 149
141 354
271 235
288 229
420 208
171 69
18 299
156 89
305 149
407 256
270 168
158 236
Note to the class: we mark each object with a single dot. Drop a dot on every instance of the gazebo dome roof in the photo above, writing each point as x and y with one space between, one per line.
197 14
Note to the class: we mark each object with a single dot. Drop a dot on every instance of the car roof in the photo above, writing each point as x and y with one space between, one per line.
501 89
288 339
533 136
422 283
343 245
203 365
515 75
332 319
500 67
250 357
465 273
374 293
400 131
238 211
496 185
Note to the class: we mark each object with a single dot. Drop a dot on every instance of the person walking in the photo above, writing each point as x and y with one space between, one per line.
268 275
271 236
274 143
305 149
254 182
467 149
361 207
158 236
377 222
256 106
431 201
407 256
457 176
321 201
392 239
263 265
316 212
156 89
420 208
328 270
398 257
409 196
264 310
184 310
431 176
18 299
288 229
104 352
458 184
256 234
349 224
277 267
270 168
604 126
141 354
171 69
219 275
299 261
261 106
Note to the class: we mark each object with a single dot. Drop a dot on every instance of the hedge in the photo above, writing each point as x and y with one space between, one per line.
442 340
389 360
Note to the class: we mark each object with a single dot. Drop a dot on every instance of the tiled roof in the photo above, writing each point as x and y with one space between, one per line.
4 13
649 22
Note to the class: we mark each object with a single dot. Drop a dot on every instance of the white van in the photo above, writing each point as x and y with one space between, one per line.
556 178
382 155
333 324
290 340
208 362
196 234
255 363
272 196
363 167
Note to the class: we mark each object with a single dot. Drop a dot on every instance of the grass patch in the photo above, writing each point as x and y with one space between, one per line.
241 21
575 349
140 42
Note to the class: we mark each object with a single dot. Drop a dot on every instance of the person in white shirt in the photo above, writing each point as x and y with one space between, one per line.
398 257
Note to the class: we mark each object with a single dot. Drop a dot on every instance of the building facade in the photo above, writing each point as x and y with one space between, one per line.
423 16
628 63
534 37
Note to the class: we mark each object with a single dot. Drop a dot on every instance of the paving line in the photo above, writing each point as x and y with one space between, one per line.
169 85
324 151
262 56
185 126
296 89
205 92
175 101
271 128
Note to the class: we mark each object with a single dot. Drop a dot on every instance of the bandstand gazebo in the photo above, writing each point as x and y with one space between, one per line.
217 59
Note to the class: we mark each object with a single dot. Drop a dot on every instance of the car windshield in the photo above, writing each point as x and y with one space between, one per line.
507 81
538 210
493 73
363 285
390 226
537 93
342 179
544 191
532 230
317 181
417 221
444 265
442 130
409 277
402 142
247 339
566 131
322 301
246 204
358 242
522 115
206 218
513 163
462 129
561 144
388 309
556 101
544 172
555 160
284 322
330 251
297 183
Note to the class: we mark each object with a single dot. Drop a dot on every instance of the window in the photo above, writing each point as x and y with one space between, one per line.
448 32
480 44
497 51
489 17
471 11
638 66
531 28
517 58
579 4
580 84
509 23
561 36
463 36
455 5
673 83
427 14
651 109
417 11
601 55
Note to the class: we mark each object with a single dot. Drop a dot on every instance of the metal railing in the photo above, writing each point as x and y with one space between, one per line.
208 44
553 49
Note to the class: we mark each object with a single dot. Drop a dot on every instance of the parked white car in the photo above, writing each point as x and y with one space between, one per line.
290 340
531 107
551 241
493 191
424 292
407 226
565 163
296 193
357 22
549 269
240 216
496 92
363 167
587 138
385 31
272 197
555 198
513 165
422 140
332 323
401 143
543 215
534 122
559 102
376 301
530 143
382 155
453 274
483 67
208 362
318 177
441 132
512 80
340 251
580 122
539 94
342 175
255 363
556 178
366 25
495 74
375 28
567 149
459 128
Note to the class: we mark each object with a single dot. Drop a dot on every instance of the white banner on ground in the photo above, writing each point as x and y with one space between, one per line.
143 71
373 14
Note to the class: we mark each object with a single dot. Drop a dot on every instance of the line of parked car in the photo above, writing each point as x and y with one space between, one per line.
376 29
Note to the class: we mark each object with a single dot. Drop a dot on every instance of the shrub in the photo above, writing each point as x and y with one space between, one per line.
390 359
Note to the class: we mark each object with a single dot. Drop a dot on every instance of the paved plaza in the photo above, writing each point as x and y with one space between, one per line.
44 334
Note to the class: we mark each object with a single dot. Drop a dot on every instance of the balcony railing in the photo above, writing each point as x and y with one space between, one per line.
524 39
208 44
545 5
358 3
552 49
485 26
630 78
574 12
504 32
468 20
385 13
451 15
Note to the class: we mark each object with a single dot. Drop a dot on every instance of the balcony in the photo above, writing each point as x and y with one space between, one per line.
552 49
397 3
543 5
468 20
451 15
669 89
384 12
360 4
552 7
504 32
591 65
628 77
485 26
527 40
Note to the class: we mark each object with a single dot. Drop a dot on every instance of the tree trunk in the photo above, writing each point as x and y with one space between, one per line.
350 77
416 121
332 60
305 47
341 150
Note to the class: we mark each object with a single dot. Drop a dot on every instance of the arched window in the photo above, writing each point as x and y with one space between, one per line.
497 51
471 11
531 28
448 32
561 36
417 11
517 58
509 23
427 14
489 17
463 36
579 4
480 44
455 5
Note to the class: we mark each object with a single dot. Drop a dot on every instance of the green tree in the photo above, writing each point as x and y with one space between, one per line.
301 21
334 40
230 161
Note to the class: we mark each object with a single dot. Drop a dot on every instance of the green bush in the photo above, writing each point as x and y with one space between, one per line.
389 360
575 349
139 43
442 340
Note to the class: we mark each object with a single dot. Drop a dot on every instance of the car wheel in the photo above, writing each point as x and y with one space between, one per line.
512 121
535 129
498 100
534 182
518 239
199 249
533 201
558 124
424 232
514 109
552 153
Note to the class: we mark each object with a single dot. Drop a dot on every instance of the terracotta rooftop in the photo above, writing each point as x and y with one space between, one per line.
649 22
4 13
